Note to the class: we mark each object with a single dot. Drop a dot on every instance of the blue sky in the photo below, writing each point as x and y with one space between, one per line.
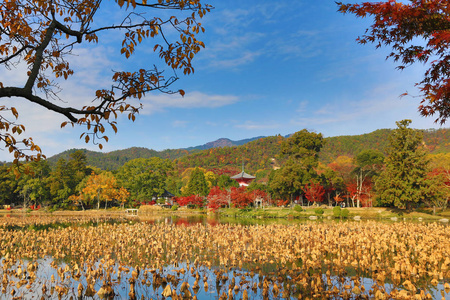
269 67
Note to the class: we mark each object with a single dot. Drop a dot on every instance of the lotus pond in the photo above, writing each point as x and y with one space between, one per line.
92 257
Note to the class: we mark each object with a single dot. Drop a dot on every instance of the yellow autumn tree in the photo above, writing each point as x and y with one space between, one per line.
100 188
122 194
42 35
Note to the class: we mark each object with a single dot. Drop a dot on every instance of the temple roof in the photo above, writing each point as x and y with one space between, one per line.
243 175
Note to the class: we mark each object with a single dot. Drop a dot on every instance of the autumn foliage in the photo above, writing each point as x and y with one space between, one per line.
314 192
417 31
238 197
194 200
218 198
41 35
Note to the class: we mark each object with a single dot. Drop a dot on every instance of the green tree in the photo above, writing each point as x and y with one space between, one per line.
33 186
225 182
145 178
288 181
403 181
61 182
303 146
368 164
302 152
332 181
197 184
8 186
78 165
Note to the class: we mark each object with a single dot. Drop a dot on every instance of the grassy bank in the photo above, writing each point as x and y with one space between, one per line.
363 213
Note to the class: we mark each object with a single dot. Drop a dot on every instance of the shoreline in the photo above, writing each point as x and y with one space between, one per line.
373 213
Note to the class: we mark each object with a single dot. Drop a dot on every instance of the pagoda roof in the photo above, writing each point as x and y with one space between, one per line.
243 175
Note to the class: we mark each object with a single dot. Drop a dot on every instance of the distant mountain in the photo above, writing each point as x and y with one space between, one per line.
257 154
114 159
223 142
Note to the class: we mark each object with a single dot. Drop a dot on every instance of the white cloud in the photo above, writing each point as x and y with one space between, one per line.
236 61
161 102
249 125
302 106
378 109
179 124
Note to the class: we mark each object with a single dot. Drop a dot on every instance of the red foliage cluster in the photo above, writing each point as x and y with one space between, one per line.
240 198
314 192
282 203
217 198
237 197
363 195
190 200
33 207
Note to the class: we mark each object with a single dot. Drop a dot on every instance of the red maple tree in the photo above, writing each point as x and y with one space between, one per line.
218 198
417 31
240 198
314 192
194 200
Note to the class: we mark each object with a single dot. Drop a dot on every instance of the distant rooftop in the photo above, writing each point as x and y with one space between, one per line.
243 175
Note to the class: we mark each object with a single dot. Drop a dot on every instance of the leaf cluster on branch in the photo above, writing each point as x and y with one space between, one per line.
417 31
42 35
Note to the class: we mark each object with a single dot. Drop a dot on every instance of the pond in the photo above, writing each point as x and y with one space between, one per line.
210 258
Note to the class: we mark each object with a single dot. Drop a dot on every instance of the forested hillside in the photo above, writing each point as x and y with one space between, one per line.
258 156
115 159
435 141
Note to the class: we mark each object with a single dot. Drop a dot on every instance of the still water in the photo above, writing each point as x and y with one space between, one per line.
208 273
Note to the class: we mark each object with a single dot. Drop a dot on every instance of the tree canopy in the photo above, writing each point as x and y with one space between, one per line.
145 178
403 181
302 152
417 31
42 36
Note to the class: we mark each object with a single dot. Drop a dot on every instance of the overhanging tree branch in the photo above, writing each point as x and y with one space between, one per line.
40 34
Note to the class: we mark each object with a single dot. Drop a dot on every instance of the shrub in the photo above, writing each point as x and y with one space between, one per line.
337 211
319 211
174 207
149 208
298 208
344 213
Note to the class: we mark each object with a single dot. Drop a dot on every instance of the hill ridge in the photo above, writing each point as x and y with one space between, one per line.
256 151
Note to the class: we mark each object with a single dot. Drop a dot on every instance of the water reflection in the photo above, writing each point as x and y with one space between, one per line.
131 258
